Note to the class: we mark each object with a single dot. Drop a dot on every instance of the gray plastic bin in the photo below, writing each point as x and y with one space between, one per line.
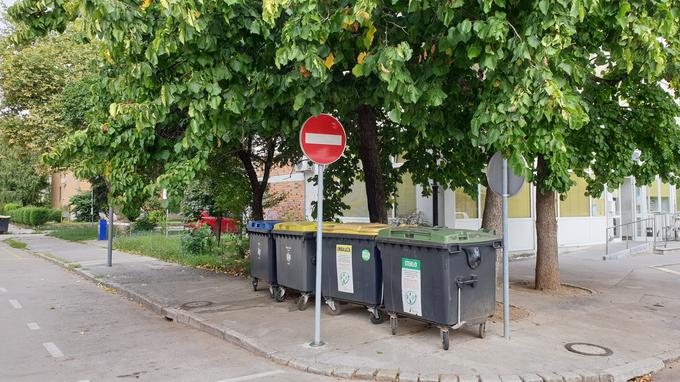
442 276
262 253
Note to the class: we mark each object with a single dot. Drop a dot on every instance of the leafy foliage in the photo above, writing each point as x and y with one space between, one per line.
21 179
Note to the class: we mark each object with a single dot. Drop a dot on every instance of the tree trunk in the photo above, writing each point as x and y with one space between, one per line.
218 227
367 131
547 262
493 219
258 187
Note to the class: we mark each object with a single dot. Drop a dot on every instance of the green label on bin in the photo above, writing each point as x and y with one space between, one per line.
365 254
410 263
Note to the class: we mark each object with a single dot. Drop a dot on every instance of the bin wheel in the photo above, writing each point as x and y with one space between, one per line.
445 339
377 317
302 302
393 325
333 307
482 330
279 294
254 285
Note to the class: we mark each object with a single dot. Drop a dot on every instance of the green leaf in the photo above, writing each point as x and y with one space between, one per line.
473 51
299 101
358 70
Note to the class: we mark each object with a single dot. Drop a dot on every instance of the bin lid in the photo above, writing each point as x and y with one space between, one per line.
362 229
296 226
438 235
265 225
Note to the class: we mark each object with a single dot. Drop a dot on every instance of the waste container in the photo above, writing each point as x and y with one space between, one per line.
4 224
262 253
352 270
295 259
443 276
102 229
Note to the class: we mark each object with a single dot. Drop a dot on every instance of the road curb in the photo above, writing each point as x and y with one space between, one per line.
616 374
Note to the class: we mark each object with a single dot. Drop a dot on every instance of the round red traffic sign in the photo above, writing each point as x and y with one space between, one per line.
323 139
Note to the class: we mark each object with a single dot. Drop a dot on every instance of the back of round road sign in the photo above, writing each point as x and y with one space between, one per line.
322 139
494 176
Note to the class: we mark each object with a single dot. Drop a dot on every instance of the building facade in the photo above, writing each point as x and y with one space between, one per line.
63 186
582 220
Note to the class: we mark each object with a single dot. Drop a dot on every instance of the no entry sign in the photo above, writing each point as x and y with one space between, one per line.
323 139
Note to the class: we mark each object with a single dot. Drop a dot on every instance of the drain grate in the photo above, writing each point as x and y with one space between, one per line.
584 348
195 304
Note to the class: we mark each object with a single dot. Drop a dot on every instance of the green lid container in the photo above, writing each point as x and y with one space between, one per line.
437 235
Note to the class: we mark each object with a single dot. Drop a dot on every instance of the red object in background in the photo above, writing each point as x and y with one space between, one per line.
229 225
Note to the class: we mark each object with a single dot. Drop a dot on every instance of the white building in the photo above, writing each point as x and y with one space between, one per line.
582 220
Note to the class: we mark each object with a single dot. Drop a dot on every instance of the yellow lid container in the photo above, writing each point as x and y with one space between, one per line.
362 229
296 226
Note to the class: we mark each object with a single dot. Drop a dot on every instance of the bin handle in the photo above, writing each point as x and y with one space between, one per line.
471 280
410 234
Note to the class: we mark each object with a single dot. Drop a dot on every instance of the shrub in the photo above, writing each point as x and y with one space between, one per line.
10 207
200 241
55 215
33 216
39 216
149 221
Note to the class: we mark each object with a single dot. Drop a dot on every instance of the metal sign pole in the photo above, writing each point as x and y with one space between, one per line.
319 256
110 246
506 270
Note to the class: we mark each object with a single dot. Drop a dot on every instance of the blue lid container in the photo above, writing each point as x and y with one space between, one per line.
262 225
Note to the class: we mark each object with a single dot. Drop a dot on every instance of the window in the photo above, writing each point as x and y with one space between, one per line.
519 206
406 197
655 197
356 200
576 203
597 206
466 206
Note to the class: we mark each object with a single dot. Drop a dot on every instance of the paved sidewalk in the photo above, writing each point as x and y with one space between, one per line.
635 312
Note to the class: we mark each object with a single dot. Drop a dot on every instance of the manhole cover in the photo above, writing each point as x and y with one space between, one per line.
195 304
585 348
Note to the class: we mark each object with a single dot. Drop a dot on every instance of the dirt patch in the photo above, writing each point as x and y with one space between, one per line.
566 290
644 378
516 313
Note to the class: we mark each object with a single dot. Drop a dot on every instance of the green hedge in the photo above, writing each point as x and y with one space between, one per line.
34 216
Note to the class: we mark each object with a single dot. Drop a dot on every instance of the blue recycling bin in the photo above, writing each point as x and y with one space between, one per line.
262 252
102 229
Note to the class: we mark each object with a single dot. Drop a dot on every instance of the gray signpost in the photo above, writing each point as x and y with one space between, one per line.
323 140
503 181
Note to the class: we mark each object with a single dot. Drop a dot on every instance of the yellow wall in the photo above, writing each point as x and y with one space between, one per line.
576 203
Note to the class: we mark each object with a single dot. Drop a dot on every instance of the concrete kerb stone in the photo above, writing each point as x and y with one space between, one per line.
449 378
429 377
620 373
387 375
321 369
531 378
634 369
365 373
588 376
550 377
511 378
408 376
569 376
344 371
489 378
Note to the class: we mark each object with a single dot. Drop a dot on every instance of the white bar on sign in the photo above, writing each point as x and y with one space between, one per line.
323 139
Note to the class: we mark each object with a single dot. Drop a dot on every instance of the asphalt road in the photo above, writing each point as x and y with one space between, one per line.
56 326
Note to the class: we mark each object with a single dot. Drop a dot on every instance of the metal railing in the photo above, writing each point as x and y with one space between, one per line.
631 234
670 228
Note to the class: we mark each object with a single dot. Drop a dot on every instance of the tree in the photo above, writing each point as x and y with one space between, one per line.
32 79
20 180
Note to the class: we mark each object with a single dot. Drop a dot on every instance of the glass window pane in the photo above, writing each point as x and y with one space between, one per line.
519 206
356 200
576 202
406 197
597 206
466 206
